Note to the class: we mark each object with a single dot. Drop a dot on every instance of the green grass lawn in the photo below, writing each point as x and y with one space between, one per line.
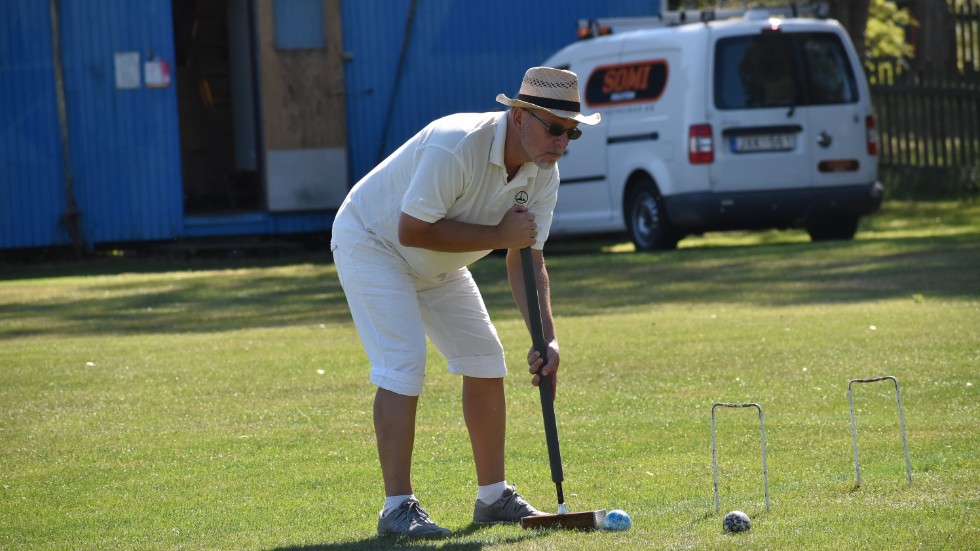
206 404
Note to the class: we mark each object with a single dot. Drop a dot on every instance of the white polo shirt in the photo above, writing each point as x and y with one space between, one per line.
453 169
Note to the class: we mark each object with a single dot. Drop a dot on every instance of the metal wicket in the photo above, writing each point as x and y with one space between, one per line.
714 449
901 422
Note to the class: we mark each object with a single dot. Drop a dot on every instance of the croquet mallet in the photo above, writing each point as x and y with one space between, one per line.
587 520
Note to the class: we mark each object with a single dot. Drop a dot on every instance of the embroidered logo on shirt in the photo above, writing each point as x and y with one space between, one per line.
521 197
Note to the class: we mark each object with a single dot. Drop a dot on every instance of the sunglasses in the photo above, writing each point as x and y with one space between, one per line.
557 129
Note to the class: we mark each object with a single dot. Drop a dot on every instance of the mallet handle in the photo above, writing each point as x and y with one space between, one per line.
547 393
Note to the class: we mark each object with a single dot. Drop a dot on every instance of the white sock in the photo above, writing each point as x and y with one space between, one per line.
492 492
394 502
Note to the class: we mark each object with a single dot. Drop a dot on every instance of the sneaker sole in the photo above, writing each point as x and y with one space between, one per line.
434 535
494 522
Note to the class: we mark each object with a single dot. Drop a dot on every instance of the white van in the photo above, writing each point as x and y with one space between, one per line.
745 123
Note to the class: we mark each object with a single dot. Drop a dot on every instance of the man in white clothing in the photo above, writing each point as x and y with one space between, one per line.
465 185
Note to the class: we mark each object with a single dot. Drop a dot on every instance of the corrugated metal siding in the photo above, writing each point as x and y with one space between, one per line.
460 55
124 143
32 196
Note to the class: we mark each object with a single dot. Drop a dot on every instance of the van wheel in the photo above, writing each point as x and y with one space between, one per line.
833 229
647 221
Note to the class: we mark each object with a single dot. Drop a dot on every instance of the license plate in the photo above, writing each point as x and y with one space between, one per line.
763 142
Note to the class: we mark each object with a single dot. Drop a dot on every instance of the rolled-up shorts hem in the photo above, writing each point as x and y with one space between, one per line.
396 382
483 367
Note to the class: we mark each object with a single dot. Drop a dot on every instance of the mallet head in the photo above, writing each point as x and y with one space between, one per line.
588 520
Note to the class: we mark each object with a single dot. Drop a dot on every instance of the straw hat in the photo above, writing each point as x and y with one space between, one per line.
554 90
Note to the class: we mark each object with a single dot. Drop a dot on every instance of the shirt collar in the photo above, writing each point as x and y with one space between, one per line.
499 138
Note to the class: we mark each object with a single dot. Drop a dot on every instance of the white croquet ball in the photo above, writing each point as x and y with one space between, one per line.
618 520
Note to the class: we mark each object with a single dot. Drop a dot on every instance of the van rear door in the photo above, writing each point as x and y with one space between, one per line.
760 131
839 108
792 111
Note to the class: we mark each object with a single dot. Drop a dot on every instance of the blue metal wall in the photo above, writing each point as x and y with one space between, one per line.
123 144
125 147
31 194
460 55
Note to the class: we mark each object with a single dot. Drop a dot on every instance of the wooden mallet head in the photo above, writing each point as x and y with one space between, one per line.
587 520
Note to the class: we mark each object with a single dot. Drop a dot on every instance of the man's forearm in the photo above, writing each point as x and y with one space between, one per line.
516 279
447 235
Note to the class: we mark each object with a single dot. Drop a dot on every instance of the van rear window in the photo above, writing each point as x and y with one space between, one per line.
781 70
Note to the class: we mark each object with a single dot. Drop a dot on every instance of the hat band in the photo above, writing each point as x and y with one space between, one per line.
549 103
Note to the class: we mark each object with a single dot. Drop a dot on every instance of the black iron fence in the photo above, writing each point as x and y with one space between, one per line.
930 123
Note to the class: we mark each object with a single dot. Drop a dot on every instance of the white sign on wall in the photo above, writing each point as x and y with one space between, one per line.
157 73
127 70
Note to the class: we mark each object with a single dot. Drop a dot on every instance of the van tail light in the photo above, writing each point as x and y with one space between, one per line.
700 145
872 135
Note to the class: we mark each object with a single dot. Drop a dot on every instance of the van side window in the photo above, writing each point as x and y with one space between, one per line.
778 70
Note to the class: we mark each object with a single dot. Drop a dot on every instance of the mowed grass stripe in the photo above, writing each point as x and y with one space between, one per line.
215 404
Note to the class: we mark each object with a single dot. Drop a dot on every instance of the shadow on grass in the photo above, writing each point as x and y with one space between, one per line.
767 275
213 297
461 540
191 303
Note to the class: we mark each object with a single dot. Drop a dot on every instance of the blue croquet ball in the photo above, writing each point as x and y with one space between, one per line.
736 521
618 520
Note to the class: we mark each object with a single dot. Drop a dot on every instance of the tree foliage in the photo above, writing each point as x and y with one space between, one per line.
885 33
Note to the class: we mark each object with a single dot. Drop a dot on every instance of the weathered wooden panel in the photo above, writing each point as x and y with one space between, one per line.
302 90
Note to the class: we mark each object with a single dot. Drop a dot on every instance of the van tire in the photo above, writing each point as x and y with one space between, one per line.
646 219
833 229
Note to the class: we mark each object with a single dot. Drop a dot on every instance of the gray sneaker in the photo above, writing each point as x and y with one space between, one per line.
409 519
510 508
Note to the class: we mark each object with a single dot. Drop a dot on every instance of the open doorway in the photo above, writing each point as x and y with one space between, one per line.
217 106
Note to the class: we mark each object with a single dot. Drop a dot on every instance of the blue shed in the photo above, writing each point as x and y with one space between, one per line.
128 122
107 162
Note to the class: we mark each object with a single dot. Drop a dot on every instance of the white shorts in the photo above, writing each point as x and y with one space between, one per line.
394 311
